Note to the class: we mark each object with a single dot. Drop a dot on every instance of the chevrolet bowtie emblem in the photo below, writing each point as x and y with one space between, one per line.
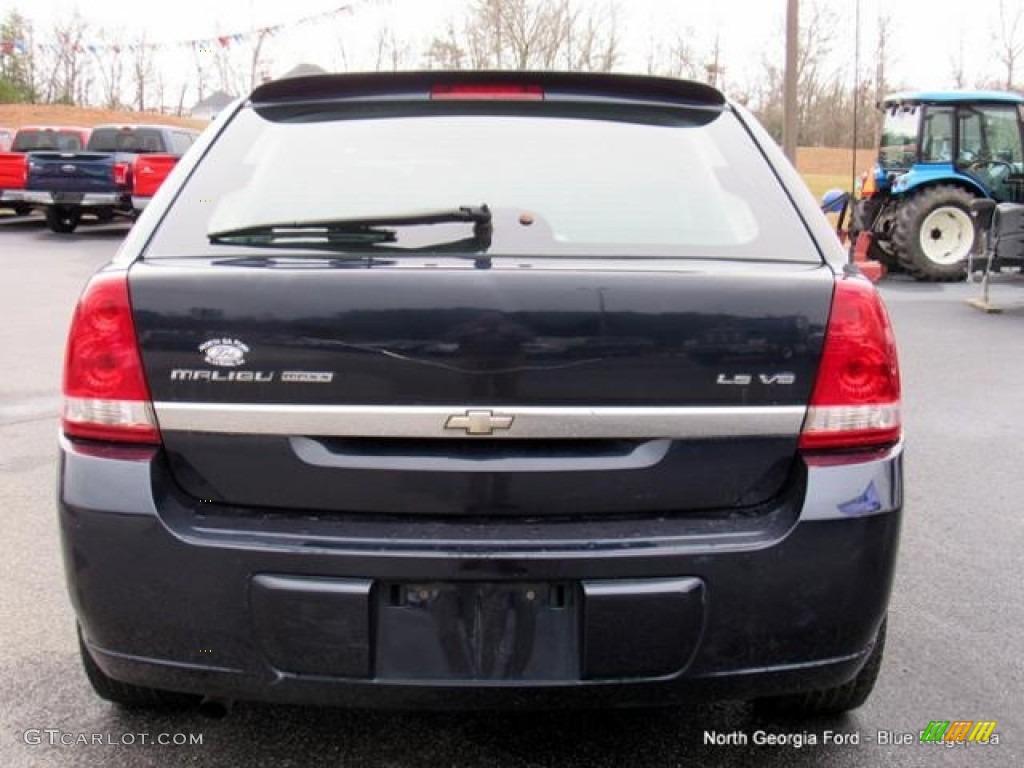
479 422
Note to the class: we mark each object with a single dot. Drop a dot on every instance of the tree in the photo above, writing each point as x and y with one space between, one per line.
214 59
110 64
956 65
142 70
69 79
676 59
1010 38
713 67
592 42
825 100
817 37
257 67
530 34
870 117
446 52
17 63
392 53
202 55
180 110
227 74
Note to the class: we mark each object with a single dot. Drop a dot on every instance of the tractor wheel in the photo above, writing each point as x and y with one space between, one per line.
62 220
934 233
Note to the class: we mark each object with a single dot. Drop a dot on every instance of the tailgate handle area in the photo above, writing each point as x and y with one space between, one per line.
480 455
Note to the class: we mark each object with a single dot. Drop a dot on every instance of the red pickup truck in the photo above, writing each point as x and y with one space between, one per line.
14 163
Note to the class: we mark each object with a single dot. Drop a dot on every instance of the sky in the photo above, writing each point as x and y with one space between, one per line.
930 36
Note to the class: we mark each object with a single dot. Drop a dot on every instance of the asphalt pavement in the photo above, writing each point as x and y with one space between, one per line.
957 615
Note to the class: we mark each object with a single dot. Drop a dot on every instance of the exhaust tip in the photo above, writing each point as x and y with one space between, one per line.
214 708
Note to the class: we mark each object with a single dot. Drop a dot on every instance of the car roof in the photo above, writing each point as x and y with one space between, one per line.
76 128
953 97
145 126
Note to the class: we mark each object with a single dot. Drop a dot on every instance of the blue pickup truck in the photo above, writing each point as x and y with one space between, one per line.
100 179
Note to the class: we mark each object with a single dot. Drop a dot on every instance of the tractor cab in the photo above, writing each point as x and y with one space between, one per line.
937 153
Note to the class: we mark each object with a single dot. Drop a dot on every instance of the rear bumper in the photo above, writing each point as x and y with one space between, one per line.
86 200
237 605
8 196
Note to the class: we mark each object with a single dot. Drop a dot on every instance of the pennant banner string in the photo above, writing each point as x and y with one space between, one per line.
10 47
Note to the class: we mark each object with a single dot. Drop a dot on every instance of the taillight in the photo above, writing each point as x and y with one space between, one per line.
488 92
105 392
856 400
122 174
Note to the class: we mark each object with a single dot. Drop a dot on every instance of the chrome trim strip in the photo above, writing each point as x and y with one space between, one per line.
540 422
40 198
101 198
88 198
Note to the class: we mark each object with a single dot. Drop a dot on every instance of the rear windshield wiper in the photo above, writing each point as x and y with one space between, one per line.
365 232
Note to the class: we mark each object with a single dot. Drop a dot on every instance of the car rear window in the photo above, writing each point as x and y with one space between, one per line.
137 140
38 141
692 185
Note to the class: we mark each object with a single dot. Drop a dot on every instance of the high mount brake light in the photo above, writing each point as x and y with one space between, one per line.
105 392
487 92
856 400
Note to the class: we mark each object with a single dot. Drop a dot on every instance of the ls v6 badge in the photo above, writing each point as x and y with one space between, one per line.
746 379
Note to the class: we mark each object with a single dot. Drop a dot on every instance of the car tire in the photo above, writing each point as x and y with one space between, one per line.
62 220
831 701
934 233
22 209
126 694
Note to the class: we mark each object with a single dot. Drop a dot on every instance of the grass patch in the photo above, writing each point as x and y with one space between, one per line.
819 183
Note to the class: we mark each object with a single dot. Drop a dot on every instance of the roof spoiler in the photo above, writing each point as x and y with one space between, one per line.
320 88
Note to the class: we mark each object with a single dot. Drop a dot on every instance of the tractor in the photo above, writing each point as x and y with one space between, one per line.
939 151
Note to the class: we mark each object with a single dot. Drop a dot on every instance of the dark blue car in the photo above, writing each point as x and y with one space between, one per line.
482 389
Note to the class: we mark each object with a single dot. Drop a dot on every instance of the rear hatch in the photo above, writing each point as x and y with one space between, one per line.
639 333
